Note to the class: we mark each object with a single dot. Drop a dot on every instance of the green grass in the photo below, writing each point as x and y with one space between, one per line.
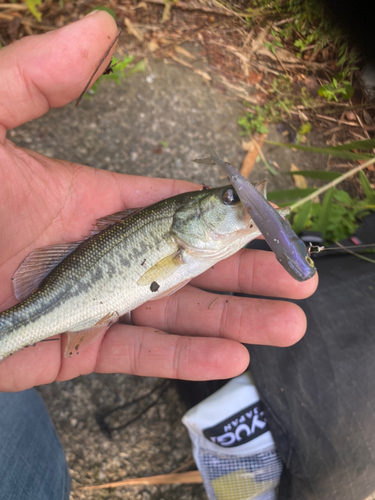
307 27
120 71
337 215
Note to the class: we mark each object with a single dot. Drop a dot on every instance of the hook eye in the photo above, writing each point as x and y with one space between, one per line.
309 261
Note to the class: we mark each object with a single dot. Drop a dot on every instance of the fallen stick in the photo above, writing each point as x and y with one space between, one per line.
191 477
185 6
13 6
333 183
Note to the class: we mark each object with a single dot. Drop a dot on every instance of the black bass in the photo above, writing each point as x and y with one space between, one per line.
290 250
81 288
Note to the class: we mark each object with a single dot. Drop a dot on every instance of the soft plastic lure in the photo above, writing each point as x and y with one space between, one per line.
290 251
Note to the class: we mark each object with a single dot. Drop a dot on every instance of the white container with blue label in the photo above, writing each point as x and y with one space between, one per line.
232 444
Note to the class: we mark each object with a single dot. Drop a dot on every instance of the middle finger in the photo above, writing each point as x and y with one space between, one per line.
192 311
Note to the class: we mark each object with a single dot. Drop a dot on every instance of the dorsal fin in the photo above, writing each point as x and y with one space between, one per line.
37 265
110 220
40 262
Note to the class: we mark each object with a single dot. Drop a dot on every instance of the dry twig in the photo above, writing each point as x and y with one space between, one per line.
333 183
191 477
344 122
13 6
192 6
37 26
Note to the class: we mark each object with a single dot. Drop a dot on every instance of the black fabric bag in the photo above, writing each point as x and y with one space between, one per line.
319 395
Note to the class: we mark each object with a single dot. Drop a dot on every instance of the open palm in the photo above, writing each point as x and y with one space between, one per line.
45 201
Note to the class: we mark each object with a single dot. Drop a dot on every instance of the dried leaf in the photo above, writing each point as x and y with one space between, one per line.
180 61
349 115
140 5
203 74
152 46
133 30
281 55
6 17
299 181
184 52
166 11
259 41
254 78
253 150
367 118
199 72
286 56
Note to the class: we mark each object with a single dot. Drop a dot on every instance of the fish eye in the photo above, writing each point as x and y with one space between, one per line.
309 261
230 197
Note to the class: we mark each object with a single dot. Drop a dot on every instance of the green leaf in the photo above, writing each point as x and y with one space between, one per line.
118 74
305 128
346 155
289 194
139 66
301 218
32 6
316 174
106 9
369 192
347 91
324 213
121 65
343 197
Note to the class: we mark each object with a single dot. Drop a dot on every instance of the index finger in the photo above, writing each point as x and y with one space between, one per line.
255 272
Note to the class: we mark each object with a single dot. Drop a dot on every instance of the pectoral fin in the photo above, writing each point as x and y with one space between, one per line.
162 269
262 187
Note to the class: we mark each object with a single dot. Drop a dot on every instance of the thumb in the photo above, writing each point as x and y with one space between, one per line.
47 71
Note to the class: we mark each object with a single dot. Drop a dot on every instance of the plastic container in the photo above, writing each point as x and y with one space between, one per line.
232 444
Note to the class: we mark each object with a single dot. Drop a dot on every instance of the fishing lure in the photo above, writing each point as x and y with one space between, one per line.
290 251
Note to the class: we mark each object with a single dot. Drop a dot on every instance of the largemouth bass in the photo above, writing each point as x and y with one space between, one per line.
289 250
81 288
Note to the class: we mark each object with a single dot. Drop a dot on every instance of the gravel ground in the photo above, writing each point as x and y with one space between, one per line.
156 443
153 124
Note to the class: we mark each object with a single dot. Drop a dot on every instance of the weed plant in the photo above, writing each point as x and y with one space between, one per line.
307 27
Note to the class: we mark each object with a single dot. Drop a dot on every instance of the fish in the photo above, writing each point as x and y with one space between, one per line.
289 250
82 288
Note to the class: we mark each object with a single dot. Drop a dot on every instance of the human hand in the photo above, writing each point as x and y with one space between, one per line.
45 201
